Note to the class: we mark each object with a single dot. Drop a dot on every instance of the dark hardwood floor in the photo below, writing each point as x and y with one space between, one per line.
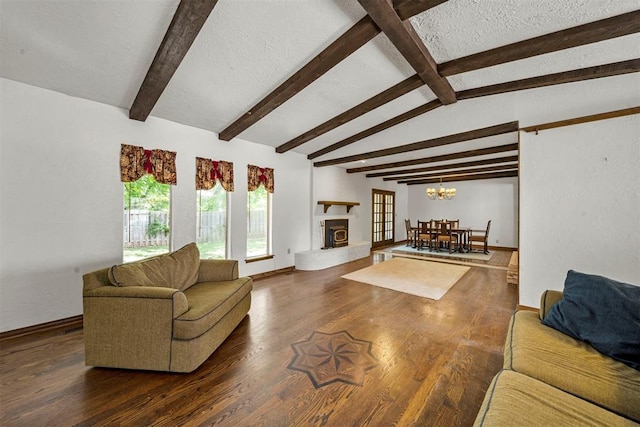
435 360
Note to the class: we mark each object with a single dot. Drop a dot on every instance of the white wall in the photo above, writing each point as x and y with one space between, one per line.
334 183
61 213
580 204
476 202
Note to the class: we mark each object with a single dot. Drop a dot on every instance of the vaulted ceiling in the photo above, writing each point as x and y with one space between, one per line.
344 82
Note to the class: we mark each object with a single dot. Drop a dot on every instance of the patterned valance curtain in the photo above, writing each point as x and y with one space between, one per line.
135 162
208 172
257 176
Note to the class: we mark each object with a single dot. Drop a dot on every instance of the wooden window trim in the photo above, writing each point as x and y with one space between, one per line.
258 258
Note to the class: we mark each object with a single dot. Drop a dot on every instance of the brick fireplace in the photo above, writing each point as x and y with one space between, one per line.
336 233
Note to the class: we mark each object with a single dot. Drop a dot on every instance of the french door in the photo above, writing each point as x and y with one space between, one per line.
382 220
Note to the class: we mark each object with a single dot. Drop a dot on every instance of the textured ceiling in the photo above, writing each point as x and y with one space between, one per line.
102 49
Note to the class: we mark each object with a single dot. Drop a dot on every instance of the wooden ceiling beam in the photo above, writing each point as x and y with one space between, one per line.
402 174
356 37
596 72
584 119
408 8
372 103
409 44
442 158
187 21
363 31
470 177
437 175
592 32
429 143
378 128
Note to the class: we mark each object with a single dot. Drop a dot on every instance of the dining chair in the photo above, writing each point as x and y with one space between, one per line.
410 233
480 236
446 236
426 234
460 234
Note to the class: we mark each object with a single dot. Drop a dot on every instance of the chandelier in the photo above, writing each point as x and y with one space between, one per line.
441 193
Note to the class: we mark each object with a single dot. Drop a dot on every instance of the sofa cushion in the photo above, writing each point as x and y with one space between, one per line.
601 311
516 399
177 270
208 303
571 365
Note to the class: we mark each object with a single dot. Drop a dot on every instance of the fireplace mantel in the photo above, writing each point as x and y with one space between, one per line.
328 203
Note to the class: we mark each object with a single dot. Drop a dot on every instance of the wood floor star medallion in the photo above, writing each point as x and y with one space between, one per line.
329 358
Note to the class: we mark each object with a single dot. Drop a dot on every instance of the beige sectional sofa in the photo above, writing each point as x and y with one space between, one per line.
552 379
167 313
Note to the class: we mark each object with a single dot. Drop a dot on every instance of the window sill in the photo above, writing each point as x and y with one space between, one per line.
258 258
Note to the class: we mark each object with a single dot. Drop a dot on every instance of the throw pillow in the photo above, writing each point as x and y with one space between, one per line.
177 270
601 311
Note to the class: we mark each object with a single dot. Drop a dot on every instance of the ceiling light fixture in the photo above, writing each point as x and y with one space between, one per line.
441 193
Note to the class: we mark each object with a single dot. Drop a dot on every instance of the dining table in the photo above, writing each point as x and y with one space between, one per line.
462 233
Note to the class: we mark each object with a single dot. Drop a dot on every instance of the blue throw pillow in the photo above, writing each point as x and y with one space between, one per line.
601 311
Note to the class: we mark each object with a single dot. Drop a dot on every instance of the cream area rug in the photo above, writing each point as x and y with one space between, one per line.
422 278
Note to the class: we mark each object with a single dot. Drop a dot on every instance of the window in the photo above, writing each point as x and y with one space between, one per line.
145 218
211 236
258 223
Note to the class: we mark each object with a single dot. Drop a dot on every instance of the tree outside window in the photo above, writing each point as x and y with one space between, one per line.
145 218
258 222
212 223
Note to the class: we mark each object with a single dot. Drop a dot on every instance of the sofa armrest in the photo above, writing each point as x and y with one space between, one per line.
217 270
95 279
131 327
547 300
140 293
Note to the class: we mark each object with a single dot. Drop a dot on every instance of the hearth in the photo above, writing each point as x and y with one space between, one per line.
336 233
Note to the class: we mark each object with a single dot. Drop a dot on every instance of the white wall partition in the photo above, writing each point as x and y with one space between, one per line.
580 204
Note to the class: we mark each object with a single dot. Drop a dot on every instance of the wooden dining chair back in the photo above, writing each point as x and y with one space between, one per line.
455 223
426 234
445 236
410 232
480 237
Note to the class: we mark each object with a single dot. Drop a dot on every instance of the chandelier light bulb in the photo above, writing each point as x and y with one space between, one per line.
441 193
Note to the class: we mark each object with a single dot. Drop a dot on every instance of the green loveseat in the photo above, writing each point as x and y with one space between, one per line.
552 379
166 313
